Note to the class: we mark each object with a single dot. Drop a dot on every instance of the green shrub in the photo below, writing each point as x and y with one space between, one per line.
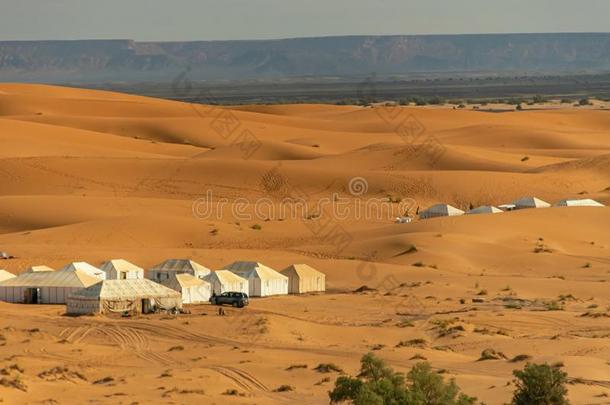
378 384
540 384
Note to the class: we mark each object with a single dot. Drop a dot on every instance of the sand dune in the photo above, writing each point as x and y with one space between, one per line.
89 175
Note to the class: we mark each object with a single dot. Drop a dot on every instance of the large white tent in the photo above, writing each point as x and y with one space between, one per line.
119 269
484 209
303 279
262 280
193 289
440 210
226 281
587 202
164 271
133 296
530 202
85 268
5 275
46 287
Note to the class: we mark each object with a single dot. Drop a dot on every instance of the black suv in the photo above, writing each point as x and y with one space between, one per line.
237 299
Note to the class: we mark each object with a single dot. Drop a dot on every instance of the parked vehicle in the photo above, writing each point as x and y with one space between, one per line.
236 299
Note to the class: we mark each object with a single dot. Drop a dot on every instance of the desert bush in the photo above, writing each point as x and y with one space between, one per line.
491 354
284 388
328 367
256 227
412 343
378 384
540 384
520 357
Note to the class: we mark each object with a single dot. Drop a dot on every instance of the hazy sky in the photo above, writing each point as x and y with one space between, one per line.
250 19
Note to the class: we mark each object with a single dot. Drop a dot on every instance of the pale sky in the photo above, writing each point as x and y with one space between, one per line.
166 20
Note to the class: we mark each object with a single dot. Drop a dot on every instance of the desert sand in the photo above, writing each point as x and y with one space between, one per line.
90 175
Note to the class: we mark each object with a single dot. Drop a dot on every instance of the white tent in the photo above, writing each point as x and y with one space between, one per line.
46 287
193 289
226 281
440 210
530 202
38 269
85 268
163 271
120 269
587 202
134 296
303 279
263 281
484 209
5 275
507 207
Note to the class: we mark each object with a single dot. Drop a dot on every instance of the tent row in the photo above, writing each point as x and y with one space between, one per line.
446 210
193 282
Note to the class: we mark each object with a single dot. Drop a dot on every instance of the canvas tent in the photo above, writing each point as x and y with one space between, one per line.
164 271
38 269
226 281
85 268
440 210
120 269
262 280
46 287
5 275
134 296
303 279
192 289
484 209
587 202
530 202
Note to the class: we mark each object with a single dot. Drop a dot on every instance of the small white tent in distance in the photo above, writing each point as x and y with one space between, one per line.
484 209
530 202
440 210
587 202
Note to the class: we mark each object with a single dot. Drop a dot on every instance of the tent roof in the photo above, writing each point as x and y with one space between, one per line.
67 279
188 280
82 266
37 269
120 266
180 265
302 270
444 209
587 202
254 270
531 202
125 289
5 275
484 209
225 277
